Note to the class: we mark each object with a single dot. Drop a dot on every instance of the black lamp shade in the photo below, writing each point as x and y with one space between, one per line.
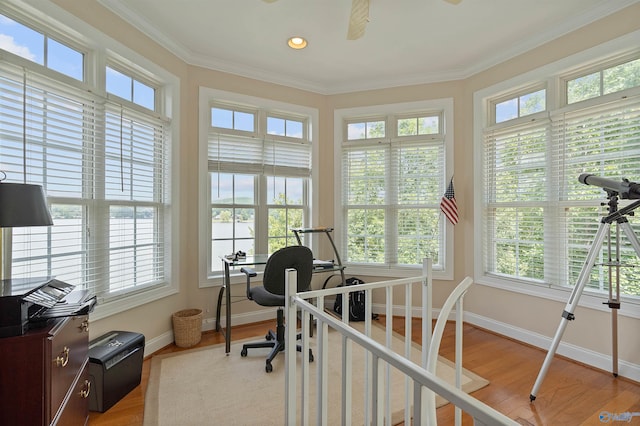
23 204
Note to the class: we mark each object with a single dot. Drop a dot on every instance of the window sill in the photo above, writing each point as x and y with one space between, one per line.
350 270
394 272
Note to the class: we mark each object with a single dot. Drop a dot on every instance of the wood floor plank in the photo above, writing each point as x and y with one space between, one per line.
571 393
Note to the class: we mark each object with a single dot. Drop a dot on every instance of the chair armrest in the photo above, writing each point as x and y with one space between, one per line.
250 273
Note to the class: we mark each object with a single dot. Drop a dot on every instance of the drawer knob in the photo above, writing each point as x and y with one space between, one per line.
63 360
84 326
85 392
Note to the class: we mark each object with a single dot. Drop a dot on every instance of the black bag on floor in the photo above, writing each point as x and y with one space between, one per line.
356 301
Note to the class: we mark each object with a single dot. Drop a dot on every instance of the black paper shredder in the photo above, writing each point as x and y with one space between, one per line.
115 367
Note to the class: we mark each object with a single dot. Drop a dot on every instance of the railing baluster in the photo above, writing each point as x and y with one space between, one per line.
346 381
304 415
290 280
408 305
427 310
323 373
417 403
376 407
388 344
459 318
368 395
420 385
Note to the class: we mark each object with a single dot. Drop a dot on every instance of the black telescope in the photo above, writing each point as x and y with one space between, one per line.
625 189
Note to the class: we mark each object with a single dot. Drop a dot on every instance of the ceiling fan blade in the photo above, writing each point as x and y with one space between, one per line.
269 1
358 19
449 1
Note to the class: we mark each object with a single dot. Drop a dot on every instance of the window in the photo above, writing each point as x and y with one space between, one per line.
286 127
538 220
233 212
104 164
39 48
366 130
603 81
286 200
516 196
130 89
259 168
233 119
519 106
393 176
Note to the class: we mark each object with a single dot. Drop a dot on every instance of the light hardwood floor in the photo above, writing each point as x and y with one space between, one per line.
571 394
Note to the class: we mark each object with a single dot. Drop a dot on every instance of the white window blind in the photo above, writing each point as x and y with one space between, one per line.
602 139
539 220
259 181
391 194
136 194
419 225
104 168
261 155
364 179
516 198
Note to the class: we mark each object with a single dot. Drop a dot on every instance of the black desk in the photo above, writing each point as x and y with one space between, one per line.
259 259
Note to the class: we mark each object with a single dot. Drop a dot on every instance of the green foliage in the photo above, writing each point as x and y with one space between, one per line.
281 221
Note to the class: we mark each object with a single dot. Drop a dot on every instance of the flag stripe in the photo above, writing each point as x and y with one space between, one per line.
448 205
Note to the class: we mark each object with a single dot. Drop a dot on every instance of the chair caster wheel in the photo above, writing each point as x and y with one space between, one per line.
268 367
268 337
243 352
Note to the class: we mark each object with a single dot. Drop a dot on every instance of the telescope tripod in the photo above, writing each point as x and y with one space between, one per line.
604 230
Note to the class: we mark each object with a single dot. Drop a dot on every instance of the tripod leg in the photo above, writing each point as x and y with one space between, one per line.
614 342
567 314
614 303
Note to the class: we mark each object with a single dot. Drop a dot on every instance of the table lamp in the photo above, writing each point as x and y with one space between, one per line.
21 205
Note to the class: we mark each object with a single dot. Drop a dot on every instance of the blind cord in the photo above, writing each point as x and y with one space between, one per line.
24 127
121 152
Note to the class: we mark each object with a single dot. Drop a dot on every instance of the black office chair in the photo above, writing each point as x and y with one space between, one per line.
272 291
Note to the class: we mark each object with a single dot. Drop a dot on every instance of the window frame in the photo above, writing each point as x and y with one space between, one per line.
286 118
342 117
594 67
141 76
72 32
553 75
274 108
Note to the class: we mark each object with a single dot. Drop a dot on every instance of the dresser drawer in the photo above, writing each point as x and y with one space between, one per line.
69 353
75 411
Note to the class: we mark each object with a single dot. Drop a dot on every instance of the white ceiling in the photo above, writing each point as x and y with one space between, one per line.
405 42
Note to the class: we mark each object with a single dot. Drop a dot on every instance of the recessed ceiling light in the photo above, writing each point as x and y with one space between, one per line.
297 42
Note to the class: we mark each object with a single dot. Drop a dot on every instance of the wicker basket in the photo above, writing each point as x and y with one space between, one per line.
187 327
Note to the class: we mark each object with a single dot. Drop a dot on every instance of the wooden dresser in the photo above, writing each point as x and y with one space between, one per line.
44 375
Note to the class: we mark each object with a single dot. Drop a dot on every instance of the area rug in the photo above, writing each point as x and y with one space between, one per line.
203 386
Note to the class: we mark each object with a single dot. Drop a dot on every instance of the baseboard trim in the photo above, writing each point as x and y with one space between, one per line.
152 346
586 356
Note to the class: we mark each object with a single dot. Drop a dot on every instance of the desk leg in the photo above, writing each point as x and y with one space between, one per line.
219 307
227 334
226 291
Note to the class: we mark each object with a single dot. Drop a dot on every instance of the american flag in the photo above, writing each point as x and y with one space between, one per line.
448 204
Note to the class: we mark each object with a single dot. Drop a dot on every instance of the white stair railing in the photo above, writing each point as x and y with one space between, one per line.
421 383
